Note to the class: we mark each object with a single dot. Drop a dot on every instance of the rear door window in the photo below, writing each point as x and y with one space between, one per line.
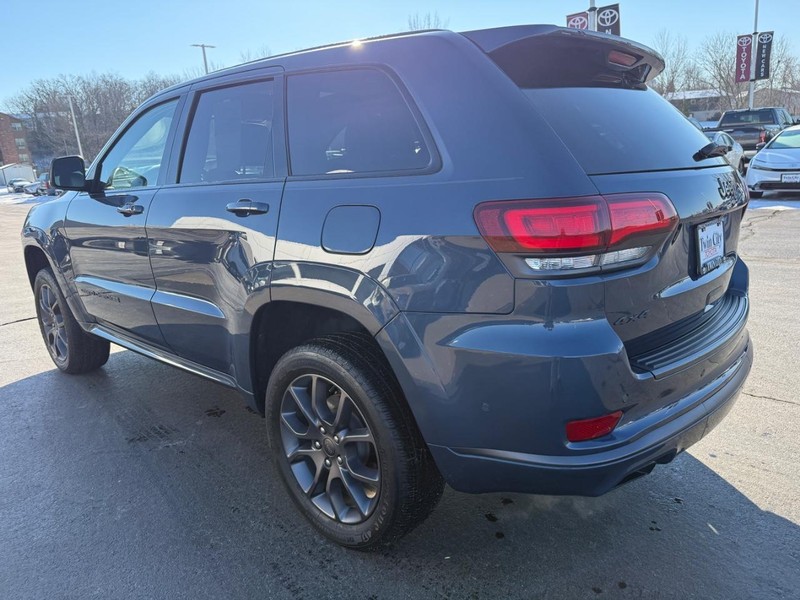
614 130
231 135
354 121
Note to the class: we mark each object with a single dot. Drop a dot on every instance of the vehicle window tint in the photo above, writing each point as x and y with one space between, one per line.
750 117
351 122
788 140
610 130
135 159
231 135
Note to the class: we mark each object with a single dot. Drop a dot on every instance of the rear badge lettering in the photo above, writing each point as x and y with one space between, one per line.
625 319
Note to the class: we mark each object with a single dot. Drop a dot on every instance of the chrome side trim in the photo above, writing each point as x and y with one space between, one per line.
161 355
187 303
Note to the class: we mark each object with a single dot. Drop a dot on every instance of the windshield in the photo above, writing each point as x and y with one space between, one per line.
786 140
612 130
749 117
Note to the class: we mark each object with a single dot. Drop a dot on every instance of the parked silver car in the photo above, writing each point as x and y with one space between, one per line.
777 164
734 156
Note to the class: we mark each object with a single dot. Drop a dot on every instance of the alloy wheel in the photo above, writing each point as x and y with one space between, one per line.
330 449
53 325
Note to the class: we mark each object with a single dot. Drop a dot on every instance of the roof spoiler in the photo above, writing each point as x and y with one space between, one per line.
550 56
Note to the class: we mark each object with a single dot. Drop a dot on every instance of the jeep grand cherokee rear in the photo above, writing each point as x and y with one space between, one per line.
494 259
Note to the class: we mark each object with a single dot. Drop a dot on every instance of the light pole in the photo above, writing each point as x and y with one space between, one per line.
752 88
75 125
203 48
592 16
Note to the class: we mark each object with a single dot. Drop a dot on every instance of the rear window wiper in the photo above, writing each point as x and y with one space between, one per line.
711 150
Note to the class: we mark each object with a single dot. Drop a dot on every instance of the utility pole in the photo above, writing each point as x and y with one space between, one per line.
203 48
593 15
75 125
752 88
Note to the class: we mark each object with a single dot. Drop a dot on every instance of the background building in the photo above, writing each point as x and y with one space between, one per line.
13 140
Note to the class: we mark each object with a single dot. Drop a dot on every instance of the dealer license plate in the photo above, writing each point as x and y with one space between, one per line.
790 177
710 246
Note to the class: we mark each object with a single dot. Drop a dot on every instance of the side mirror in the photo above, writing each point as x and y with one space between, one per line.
68 173
760 145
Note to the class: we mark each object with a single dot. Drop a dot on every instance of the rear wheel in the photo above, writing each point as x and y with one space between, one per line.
71 348
346 445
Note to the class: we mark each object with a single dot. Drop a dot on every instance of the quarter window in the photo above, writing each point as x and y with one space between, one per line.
351 122
135 159
231 135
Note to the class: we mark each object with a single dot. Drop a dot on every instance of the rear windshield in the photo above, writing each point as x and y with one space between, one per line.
750 117
612 130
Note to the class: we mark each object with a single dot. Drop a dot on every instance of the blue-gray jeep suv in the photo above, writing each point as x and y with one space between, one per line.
493 259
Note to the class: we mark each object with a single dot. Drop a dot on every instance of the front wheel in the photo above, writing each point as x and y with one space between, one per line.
71 348
346 445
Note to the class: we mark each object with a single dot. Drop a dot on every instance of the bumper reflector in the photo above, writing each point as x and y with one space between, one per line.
589 429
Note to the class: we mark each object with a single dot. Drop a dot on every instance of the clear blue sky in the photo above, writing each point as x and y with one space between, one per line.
133 37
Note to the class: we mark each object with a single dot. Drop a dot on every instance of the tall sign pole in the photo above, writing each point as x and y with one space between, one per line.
592 16
752 89
75 125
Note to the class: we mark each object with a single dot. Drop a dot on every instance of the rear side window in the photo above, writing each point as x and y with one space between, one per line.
351 122
614 130
231 135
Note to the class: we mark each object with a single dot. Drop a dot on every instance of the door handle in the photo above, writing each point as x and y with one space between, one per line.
245 207
130 209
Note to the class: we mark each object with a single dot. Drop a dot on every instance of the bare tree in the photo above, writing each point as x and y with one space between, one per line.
679 66
417 22
250 55
716 59
101 102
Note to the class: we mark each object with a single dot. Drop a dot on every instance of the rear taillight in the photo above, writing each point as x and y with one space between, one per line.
577 233
762 137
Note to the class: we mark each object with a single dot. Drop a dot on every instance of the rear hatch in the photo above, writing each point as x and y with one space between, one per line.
637 149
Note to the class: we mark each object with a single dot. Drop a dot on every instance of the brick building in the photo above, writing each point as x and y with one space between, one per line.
13 140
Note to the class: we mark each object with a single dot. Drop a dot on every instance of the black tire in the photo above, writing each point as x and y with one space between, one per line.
72 349
755 194
408 483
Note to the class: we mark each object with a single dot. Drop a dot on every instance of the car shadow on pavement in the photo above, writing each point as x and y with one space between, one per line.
143 481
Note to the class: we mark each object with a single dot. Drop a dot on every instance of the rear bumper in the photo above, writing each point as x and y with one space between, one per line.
598 471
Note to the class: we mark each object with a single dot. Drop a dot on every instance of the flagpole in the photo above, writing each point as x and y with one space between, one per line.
593 15
752 88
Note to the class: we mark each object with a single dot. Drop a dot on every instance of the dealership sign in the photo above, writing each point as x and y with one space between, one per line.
578 20
744 57
608 19
763 54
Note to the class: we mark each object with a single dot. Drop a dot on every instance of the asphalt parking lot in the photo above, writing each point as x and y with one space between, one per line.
141 481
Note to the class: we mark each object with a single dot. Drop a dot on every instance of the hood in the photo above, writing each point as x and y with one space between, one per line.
789 158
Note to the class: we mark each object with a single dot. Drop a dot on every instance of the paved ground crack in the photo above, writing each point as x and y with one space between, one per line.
17 321
771 398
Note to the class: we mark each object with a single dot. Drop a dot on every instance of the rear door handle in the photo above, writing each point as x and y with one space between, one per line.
245 207
130 209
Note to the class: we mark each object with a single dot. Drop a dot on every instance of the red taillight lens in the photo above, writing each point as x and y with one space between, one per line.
762 137
589 429
586 225
546 226
633 215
